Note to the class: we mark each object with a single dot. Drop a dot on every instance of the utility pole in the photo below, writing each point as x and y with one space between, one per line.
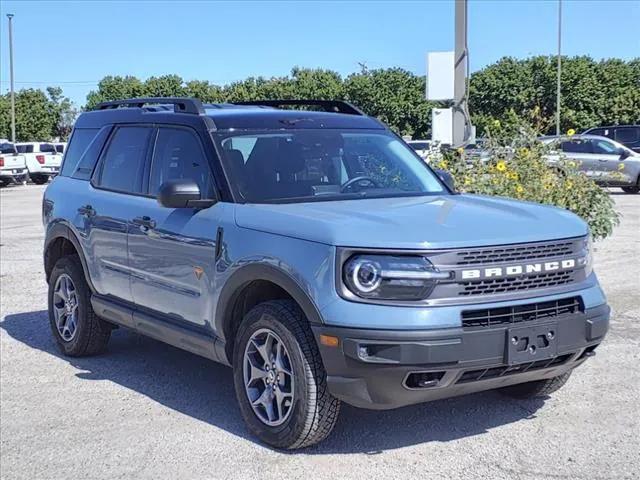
558 91
13 93
461 122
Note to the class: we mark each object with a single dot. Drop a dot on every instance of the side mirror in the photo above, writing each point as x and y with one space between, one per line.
182 193
447 178
624 154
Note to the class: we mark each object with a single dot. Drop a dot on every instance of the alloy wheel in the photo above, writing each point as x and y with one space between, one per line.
65 307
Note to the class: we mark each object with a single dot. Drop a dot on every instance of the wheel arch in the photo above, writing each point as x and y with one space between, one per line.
60 240
250 285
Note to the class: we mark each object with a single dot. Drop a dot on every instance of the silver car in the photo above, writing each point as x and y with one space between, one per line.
606 161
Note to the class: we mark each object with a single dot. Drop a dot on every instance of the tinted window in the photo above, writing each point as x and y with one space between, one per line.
178 154
628 135
603 147
80 140
576 146
123 163
47 148
60 148
25 148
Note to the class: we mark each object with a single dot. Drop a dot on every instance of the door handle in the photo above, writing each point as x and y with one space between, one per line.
145 222
87 210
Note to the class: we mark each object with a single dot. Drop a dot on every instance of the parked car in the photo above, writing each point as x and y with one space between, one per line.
628 135
316 254
421 147
607 162
13 166
43 160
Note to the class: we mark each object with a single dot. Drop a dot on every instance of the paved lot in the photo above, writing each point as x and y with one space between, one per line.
146 410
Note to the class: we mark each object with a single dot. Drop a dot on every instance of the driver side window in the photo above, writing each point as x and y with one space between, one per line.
603 147
178 154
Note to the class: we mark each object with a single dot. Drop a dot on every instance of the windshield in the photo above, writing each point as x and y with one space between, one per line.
316 165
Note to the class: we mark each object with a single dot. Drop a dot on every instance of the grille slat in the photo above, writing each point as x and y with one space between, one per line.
495 372
521 313
515 253
514 284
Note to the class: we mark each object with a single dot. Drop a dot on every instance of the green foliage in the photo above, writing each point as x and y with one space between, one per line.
518 169
39 115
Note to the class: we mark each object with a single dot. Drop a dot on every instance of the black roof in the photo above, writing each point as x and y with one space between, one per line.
258 115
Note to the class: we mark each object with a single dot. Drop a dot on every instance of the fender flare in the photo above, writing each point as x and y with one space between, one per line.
259 271
61 230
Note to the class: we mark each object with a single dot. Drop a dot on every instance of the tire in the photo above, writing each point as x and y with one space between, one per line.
90 333
39 179
313 411
635 189
537 389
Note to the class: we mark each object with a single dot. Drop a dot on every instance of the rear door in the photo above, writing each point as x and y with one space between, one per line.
580 151
172 250
117 185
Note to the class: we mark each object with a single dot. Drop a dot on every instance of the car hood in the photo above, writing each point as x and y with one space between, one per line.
446 221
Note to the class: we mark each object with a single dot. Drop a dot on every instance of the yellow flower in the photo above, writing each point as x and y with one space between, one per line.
467 181
571 132
460 150
443 164
501 166
621 166
568 185
572 164
524 151
519 189
513 175
496 123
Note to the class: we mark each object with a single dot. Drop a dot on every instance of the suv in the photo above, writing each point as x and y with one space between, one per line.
43 160
315 253
13 167
628 135
605 161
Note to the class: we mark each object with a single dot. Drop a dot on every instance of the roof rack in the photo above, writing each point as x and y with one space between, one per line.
181 105
336 106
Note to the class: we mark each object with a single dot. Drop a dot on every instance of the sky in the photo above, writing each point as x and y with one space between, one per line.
74 44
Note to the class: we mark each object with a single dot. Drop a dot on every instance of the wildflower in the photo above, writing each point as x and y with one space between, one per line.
568 185
513 175
519 189
496 123
443 164
571 132
460 150
501 166
467 181
621 166
572 164
524 151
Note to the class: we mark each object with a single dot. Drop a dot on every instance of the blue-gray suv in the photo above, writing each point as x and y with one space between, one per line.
306 245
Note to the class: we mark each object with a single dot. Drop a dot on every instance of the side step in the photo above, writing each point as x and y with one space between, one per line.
156 328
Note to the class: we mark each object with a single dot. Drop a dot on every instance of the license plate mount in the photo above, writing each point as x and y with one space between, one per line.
531 343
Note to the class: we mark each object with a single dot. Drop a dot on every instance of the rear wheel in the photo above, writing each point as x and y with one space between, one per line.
279 378
76 328
39 179
539 388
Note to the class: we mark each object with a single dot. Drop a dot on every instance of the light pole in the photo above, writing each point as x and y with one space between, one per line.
13 93
558 91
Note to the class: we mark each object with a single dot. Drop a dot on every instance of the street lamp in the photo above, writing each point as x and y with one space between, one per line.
13 93
558 92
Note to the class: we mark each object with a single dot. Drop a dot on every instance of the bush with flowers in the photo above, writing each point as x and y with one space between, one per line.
517 167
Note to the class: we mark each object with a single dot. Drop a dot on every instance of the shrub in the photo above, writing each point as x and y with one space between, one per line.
516 168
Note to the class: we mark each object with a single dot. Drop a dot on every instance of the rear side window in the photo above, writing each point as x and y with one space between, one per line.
80 140
123 163
178 154
47 148
25 148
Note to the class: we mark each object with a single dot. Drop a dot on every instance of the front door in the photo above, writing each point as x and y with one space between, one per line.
610 162
172 250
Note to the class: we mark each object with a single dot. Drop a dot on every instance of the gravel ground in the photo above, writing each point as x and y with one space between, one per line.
147 410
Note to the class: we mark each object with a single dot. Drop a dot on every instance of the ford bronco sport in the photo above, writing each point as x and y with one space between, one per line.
307 246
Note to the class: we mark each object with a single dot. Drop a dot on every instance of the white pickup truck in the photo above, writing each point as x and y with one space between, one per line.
43 160
13 166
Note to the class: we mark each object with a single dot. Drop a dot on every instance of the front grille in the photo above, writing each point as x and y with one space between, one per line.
521 313
515 284
515 253
505 370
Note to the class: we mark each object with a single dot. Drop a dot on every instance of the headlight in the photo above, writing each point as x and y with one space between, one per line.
587 259
387 277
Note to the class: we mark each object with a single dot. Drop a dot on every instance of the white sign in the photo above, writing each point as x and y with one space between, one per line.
440 68
442 125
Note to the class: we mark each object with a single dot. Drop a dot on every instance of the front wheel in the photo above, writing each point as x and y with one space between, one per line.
635 189
279 378
536 389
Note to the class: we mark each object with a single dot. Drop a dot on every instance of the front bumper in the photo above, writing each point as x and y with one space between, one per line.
383 369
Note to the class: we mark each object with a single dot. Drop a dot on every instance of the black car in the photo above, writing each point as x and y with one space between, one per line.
628 135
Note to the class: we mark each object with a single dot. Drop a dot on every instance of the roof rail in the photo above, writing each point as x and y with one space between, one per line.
337 106
181 104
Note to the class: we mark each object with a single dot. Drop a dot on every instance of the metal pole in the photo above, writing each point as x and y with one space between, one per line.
13 93
460 93
558 92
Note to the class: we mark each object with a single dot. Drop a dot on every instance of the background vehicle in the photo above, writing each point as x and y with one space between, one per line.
421 147
60 147
308 249
607 162
13 166
43 160
627 135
